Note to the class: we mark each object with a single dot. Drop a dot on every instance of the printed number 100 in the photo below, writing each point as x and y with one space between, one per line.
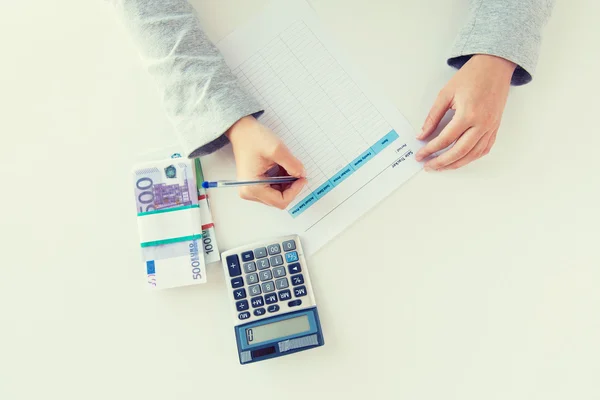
207 242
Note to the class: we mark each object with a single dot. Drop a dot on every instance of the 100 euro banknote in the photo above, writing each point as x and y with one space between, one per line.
169 223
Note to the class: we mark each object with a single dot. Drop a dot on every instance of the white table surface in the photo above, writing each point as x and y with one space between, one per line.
476 284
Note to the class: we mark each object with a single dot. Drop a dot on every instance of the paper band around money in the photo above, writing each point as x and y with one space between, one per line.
171 225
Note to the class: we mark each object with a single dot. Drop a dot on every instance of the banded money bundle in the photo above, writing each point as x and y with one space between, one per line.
169 223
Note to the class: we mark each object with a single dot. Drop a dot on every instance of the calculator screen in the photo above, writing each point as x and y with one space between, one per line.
287 327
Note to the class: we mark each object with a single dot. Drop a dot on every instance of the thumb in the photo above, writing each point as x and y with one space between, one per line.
286 159
437 112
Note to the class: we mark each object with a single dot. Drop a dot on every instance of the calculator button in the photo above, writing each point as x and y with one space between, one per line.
297 280
244 315
294 268
260 252
299 291
289 245
273 308
259 311
291 257
239 294
242 305
268 287
247 256
252 279
294 303
257 301
274 249
233 265
254 290
237 282
264 263
281 283
276 260
279 272
284 295
249 267
271 298
265 275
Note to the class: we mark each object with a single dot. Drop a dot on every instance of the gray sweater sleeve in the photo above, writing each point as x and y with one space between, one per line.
511 29
201 95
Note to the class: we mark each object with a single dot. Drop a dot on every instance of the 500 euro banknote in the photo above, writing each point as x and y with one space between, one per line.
169 223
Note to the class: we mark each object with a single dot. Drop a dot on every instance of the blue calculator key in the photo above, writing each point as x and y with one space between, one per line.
244 315
297 280
257 301
242 305
291 256
285 295
239 294
259 311
237 282
261 252
263 264
252 279
273 308
247 256
294 303
294 268
281 283
276 260
271 298
249 267
233 265
299 291
289 245
274 249
265 275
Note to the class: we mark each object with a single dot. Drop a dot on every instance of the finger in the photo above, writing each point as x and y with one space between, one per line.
295 188
490 143
460 149
272 197
451 132
437 112
475 153
282 156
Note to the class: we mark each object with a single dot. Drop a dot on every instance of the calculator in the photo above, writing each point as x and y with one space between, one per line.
272 299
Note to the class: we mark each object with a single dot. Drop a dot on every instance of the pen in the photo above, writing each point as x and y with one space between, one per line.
268 181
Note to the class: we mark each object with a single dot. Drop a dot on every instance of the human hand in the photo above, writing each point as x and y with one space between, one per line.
477 93
256 150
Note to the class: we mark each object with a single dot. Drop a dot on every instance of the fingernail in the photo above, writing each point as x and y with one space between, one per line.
429 169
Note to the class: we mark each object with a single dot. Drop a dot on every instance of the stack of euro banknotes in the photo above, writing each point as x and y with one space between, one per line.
176 229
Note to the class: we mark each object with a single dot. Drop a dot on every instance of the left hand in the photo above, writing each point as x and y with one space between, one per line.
477 93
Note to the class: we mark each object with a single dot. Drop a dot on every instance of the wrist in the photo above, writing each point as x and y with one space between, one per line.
239 126
500 66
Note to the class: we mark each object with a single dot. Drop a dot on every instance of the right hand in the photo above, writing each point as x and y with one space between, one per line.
257 149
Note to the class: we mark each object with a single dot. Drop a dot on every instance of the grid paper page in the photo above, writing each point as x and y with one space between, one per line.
356 147
328 119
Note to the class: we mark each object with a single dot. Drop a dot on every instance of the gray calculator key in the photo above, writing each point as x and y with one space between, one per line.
264 263
260 252
254 290
252 279
249 267
279 272
265 275
289 245
276 260
274 249
281 283
268 287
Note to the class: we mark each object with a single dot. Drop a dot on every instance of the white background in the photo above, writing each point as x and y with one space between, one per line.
475 284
